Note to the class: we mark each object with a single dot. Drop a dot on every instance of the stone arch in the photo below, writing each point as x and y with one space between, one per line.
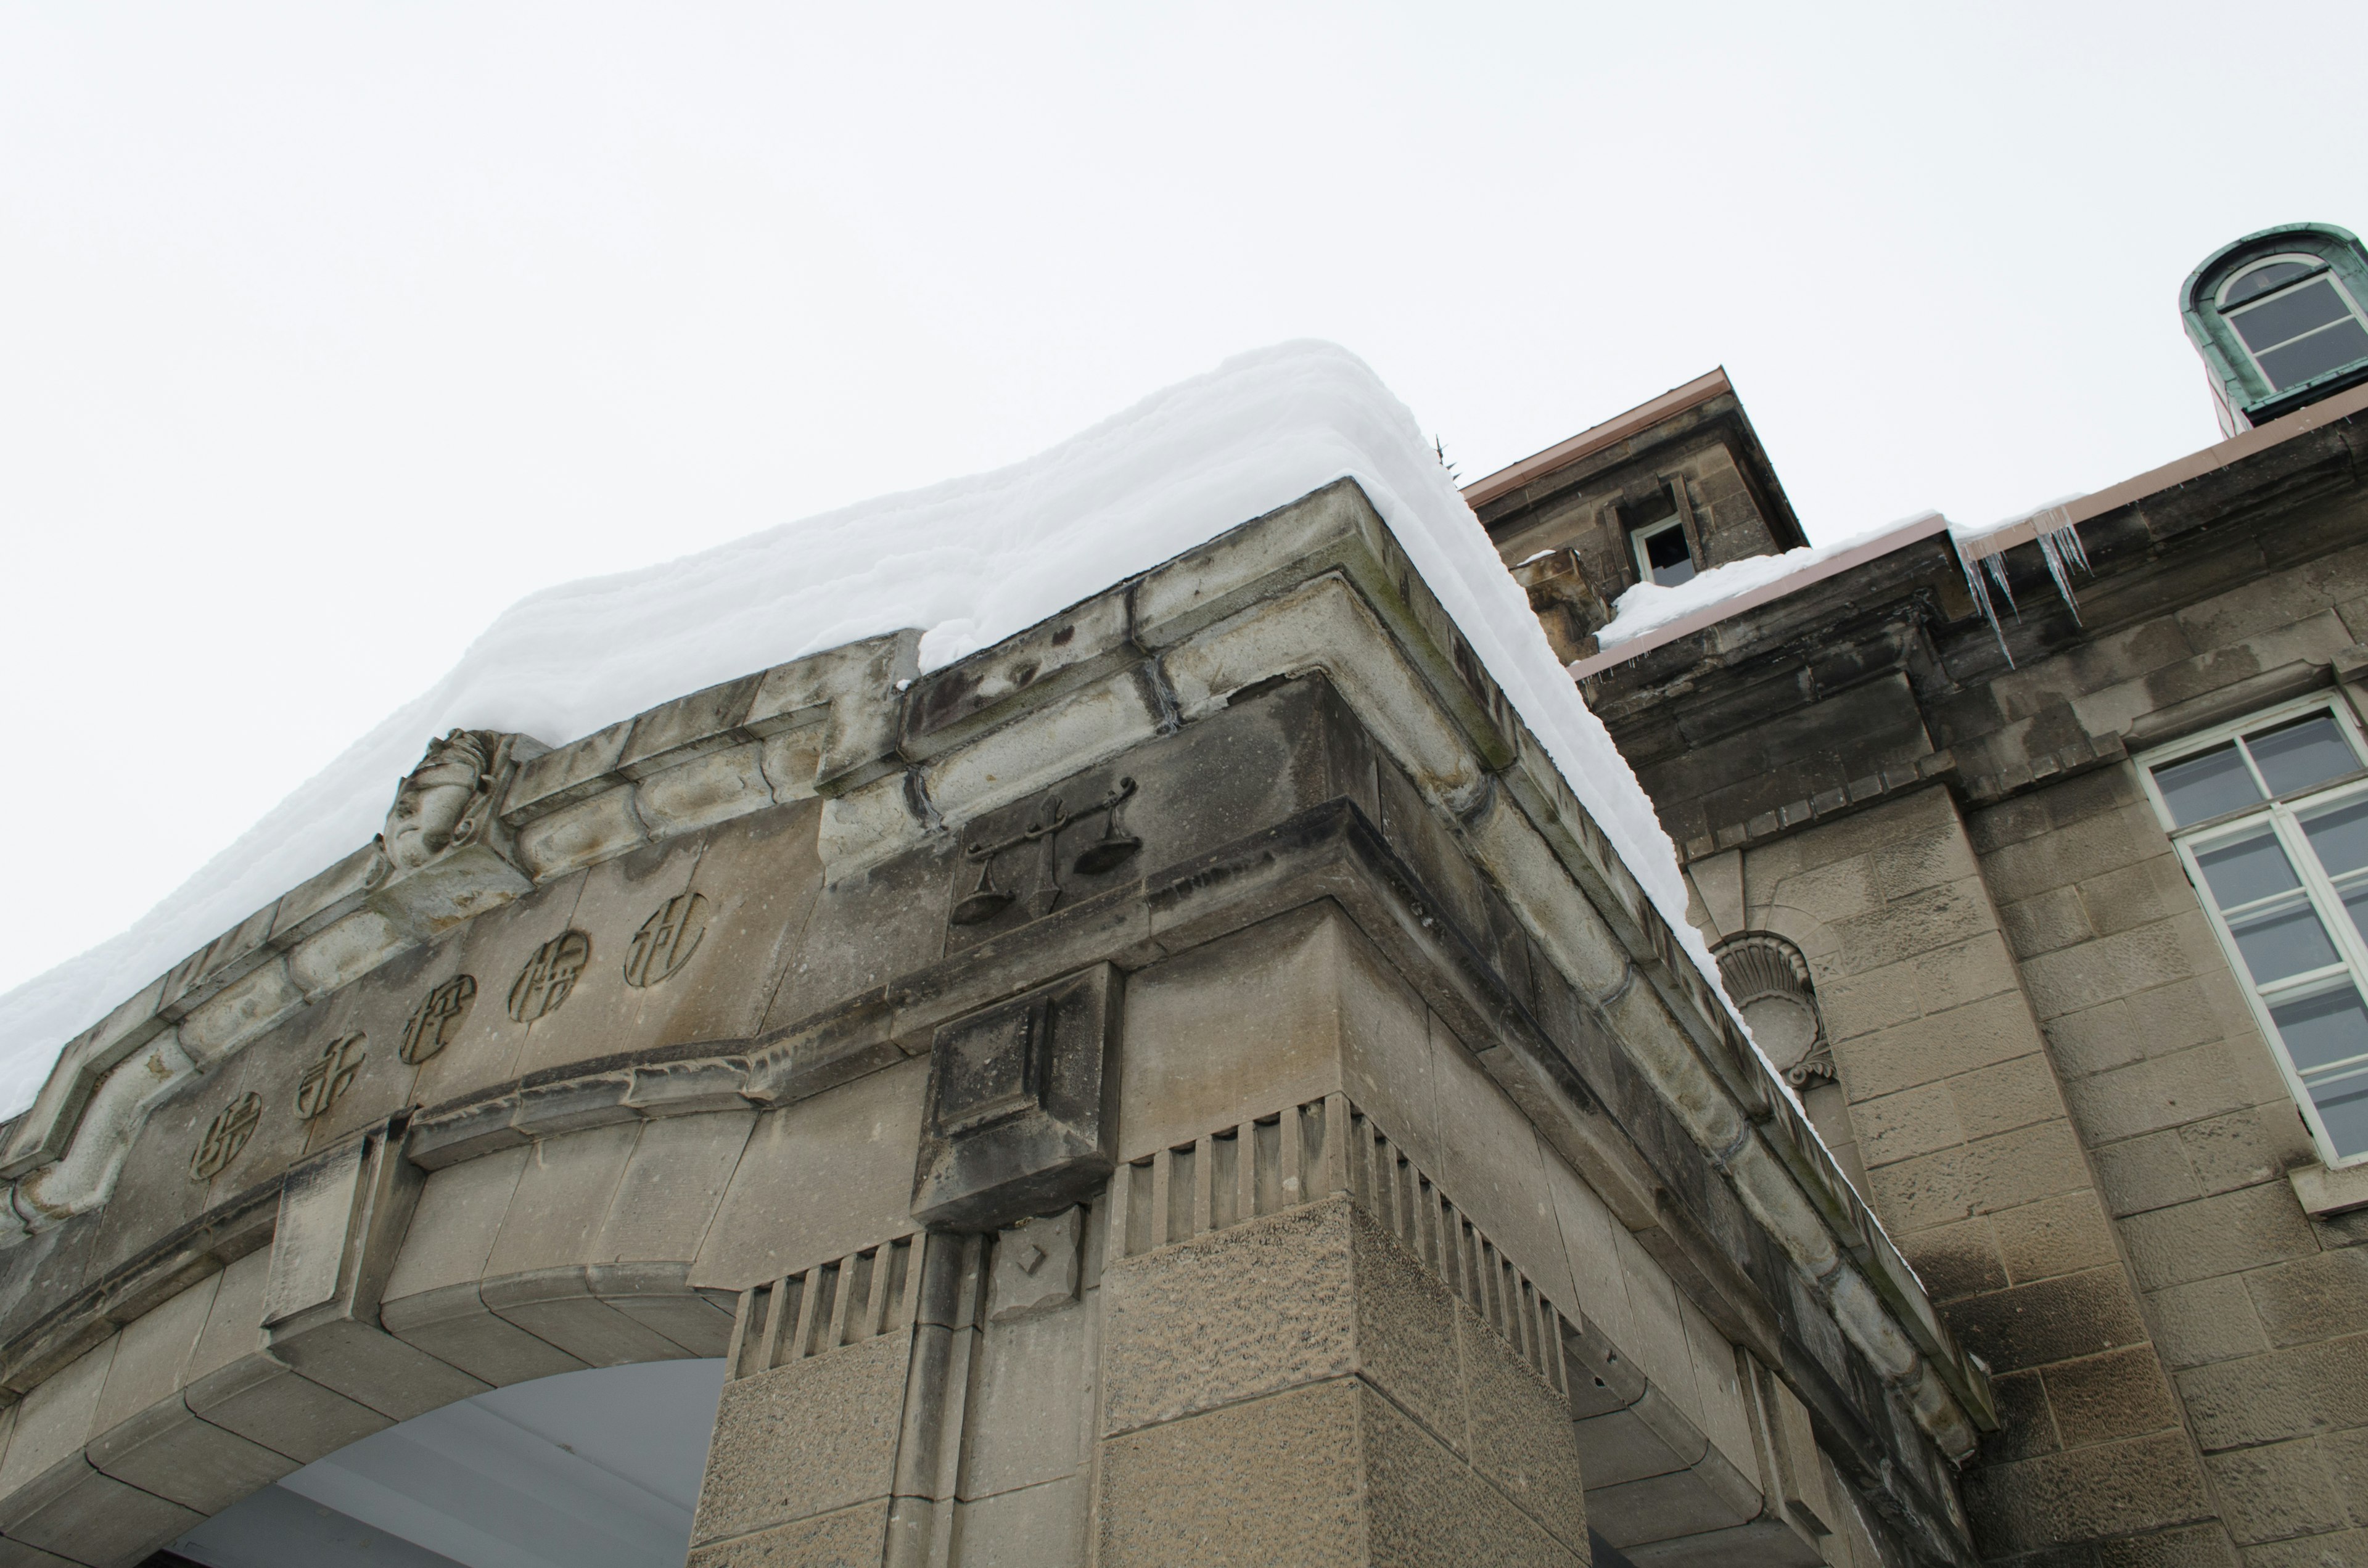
372 1293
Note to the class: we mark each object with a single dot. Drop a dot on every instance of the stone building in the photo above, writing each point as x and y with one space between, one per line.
1191 1082
2051 911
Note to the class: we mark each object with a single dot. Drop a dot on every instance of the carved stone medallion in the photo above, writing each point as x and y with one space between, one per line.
226 1135
437 1018
666 941
329 1074
549 976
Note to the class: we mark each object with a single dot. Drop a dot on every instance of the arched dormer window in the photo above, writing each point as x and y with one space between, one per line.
2278 319
2295 318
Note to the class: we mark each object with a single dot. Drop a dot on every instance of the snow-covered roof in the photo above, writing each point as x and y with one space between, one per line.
969 563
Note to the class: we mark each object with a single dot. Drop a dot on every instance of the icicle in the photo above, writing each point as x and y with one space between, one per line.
2059 545
1981 592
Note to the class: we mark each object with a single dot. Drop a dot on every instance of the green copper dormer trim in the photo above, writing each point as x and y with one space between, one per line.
2280 318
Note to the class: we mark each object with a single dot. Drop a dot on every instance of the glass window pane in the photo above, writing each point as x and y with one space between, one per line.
2355 902
2290 315
2261 280
2254 867
2328 1028
2316 354
2285 942
2201 787
2340 837
2294 756
1666 553
2343 1109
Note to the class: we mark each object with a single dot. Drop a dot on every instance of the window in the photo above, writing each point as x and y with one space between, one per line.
2271 821
2296 319
1661 553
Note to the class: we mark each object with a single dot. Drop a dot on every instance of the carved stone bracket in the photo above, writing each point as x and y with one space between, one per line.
1016 1123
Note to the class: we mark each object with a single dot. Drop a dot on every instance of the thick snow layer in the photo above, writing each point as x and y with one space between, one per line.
1648 607
970 562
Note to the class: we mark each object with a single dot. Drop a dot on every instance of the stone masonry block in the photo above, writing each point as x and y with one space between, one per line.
2100 1399
1227 1316
2212 1319
1938 1045
2046 922
2237 1149
2192 1546
2055 1237
2108 1490
2053 1319
1920 922
1896 1126
850 1537
1521 1433
2005 1171
804 1438
1963 972
2121 965
2011 1095
1425 1508
1267 1480
2251 1228
2341 1549
2284 1394
2320 1297
2094 1039
2140 1174
2276 1491
2159 1092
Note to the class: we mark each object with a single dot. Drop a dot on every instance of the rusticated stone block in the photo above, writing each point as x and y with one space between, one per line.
2285 1393
1234 1314
2120 1395
2053 1319
2109 1489
1425 1508
1272 1479
851 1538
1521 1439
804 1439
2276 1491
2321 1297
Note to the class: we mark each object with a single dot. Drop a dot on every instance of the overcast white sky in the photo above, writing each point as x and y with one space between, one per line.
328 330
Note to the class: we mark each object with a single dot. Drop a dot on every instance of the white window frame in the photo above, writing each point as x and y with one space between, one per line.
2319 269
2284 814
1676 522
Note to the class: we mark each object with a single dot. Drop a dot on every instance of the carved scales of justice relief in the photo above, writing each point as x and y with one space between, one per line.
1106 853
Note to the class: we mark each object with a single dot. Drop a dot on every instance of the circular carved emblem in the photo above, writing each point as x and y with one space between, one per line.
329 1074
666 941
438 1018
226 1135
549 976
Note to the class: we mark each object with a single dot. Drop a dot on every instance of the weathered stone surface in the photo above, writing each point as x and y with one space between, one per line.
847 1156
848 1539
804 1439
1270 1479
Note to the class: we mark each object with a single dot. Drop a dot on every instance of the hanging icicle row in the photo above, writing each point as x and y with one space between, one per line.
2059 545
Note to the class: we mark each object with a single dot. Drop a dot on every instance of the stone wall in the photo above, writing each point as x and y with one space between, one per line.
2047 1073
